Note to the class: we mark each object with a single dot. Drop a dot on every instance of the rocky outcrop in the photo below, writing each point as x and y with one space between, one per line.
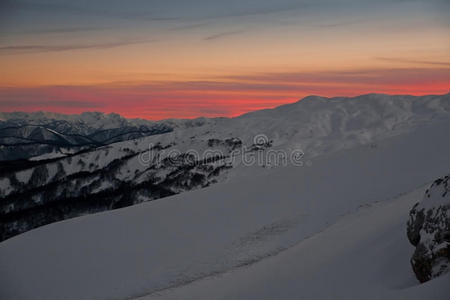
429 230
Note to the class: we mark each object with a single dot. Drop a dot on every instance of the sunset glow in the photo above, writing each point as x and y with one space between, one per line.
186 59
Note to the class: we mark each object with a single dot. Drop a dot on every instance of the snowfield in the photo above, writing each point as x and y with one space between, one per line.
359 257
40 192
335 229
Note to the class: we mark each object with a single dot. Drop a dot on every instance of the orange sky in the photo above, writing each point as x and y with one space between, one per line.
224 66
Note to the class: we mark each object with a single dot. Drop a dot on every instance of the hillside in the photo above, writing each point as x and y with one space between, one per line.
202 152
259 235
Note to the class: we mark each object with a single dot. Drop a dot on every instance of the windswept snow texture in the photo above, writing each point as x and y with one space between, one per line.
359 257
115 176
269 236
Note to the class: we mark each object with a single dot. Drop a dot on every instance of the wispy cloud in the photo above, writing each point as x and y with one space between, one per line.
190 26
261 11
373 77
23 49
223 34
92 10
63 30
413 61
147 11
222 96
338 24
63 103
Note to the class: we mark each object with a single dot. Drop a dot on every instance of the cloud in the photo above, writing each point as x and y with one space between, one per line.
222 96
218 111
190 26
392 76
6 104
23 49
404 60
223 34
91 10
162 11
64 30
338 24
255 11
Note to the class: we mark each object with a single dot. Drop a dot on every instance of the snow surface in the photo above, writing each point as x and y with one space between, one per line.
315 125
359 257
24 176
270 235
96 120
49 155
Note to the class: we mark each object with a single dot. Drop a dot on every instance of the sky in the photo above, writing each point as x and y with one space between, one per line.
158 59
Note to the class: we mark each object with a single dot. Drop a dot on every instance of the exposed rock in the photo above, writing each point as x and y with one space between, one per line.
429 230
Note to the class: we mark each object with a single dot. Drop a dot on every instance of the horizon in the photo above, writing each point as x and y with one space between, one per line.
211 117
96 194
156 60
237 149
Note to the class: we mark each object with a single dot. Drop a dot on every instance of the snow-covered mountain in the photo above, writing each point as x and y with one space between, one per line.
43 135
83 123
333 228
198 153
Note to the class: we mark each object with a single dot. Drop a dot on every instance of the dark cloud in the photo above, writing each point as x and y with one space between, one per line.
370 77
190 26
22 49
338 24
96 9
220 111
161 11
65 30
223 34
222 95
7 104
404 60
254 11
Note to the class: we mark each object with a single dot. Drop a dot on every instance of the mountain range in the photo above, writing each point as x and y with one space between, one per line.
309 200
181 155
43 135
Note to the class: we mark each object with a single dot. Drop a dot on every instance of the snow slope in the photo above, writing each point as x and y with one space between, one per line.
116 176
359 257
148 248
315 125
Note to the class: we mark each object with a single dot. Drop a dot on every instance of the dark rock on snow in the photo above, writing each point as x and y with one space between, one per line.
429 230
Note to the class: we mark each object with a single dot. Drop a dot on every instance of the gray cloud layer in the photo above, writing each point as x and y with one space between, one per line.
222 35
5 50
424 62
6 104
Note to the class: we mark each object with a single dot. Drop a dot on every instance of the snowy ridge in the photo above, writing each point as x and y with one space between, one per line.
164 248
116 176
27 135
96 120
